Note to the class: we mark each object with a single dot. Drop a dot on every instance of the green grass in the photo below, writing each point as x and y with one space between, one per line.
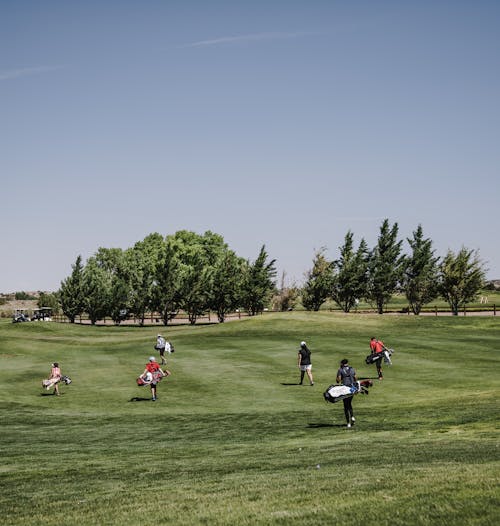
232 440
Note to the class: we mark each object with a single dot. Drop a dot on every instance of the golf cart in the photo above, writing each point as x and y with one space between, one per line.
20 316
42 314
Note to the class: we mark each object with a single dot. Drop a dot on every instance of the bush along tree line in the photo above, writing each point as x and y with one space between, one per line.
184 272
376 275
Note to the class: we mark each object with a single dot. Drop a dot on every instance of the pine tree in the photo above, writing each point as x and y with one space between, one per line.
258 283
384 267
350 274
420 277
318 286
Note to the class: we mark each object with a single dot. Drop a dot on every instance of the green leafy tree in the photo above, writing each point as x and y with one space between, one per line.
384 266
167 289
420 276
119 295
226 284
258 283
140 269
112 261
19 296
71 294
195 276
350 274
96 290
50 300
196 259
461 277
319 281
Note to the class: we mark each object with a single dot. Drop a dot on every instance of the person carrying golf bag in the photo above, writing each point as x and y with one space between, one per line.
377 349
346 375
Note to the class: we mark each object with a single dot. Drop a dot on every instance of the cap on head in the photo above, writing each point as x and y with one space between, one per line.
55 364
302 344
151 358
345 361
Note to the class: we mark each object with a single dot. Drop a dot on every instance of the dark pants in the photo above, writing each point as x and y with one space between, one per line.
348 409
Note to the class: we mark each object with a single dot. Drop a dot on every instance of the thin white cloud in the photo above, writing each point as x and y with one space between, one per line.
25 72
255 37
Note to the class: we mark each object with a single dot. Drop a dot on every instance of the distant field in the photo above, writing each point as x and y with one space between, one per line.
233 439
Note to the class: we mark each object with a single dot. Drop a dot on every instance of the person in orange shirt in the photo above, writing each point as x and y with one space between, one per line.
153 374
378 347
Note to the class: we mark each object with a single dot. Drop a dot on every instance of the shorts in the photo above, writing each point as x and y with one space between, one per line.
306 367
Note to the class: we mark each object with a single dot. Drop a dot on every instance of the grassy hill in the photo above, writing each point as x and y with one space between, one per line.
233 439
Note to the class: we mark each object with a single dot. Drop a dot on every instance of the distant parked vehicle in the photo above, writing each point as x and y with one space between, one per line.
20 316
42 314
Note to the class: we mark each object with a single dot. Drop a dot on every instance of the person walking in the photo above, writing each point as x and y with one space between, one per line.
160 347
163 346
377 348
304 363
346 375
55 378
153 374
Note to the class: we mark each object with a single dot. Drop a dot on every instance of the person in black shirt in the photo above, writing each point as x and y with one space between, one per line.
346 375
304 363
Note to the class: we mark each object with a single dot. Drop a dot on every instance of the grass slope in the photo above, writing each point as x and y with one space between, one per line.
233 440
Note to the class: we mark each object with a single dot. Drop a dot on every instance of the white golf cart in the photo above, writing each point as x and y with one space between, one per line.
42 314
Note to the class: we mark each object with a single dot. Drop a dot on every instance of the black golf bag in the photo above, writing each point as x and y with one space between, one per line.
334 393
384 355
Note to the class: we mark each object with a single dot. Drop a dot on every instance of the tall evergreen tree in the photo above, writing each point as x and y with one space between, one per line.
258 283
71 292
461 277
350 274
420 276
319 281
384 266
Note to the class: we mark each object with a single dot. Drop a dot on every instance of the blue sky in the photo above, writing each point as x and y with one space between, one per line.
276 123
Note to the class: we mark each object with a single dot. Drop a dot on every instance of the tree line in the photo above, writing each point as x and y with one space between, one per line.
191 273
376 275
182 272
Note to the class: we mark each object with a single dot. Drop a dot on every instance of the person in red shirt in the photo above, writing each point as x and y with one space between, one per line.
378 347
153 374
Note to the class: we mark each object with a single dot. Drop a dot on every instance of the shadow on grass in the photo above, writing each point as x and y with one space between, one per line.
322 424
139 399
296 383
50 394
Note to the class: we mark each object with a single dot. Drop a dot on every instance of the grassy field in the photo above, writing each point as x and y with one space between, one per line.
233 439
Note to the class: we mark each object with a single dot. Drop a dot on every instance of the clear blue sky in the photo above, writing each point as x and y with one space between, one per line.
284 123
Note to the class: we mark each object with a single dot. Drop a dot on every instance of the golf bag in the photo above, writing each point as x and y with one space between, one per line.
384 355
50 382
334 393
150 378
